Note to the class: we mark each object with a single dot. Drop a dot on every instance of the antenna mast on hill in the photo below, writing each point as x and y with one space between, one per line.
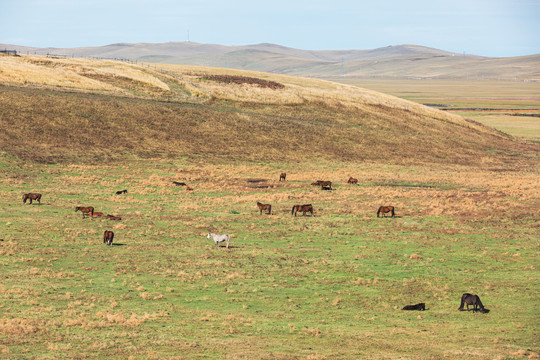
187 35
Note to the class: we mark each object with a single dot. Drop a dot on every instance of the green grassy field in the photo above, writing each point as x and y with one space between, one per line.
500 104
329 286
323 287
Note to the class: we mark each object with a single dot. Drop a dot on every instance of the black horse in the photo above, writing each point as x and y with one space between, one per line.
120 192
470 299
421 307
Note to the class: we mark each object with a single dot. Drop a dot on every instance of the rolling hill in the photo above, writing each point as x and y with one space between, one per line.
391 61
96 110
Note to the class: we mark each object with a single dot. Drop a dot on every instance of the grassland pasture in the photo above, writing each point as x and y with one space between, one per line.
509 106
328 286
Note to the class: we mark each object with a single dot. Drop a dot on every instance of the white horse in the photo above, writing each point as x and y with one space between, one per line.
219 238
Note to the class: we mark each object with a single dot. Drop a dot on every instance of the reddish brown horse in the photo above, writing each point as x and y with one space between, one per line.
282 176
113 217
325 185
352 181
304 208
108 237
97 214
88 210
31 196
262 207
385 210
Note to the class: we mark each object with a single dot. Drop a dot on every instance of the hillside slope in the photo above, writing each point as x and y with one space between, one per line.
65 110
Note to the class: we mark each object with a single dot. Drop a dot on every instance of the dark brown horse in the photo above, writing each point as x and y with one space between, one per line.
304 208
113 217
421 307
352 181
385 210
262 207
470 299
31 196
88 210
179 183
282 176
108 237
121 192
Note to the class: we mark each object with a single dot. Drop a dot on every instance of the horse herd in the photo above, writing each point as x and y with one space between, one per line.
108 236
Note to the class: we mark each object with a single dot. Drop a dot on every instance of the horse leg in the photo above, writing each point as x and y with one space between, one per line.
227 244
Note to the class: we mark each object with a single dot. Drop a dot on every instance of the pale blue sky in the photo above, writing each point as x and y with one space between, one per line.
489 28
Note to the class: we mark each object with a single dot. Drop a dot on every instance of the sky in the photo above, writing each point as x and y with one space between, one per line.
481 27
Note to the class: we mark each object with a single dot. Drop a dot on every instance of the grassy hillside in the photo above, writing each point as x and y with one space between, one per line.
114 110
328 286
510 106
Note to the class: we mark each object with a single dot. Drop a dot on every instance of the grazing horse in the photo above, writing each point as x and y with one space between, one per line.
88 210
179 183
325 185
264 207
386 209
121 192
188 188
113 217
282 176
31 196
471 299
108 237
97 214
420 307
219 238
304 208
352 181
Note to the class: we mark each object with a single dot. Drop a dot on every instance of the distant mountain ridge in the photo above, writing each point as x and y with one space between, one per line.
390 61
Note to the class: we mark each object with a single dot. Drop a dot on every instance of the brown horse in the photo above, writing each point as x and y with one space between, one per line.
421 307
282 176
325 185
108 237
352 181
31 196
113 217
471 299
188 188
304 208
264 207
88 210
97 214
386 209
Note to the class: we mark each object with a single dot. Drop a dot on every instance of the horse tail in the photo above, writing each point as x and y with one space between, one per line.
462 302
292 211
393 213
379 211
24 197
270 209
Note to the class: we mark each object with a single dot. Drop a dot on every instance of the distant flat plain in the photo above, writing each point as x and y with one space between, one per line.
510 106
